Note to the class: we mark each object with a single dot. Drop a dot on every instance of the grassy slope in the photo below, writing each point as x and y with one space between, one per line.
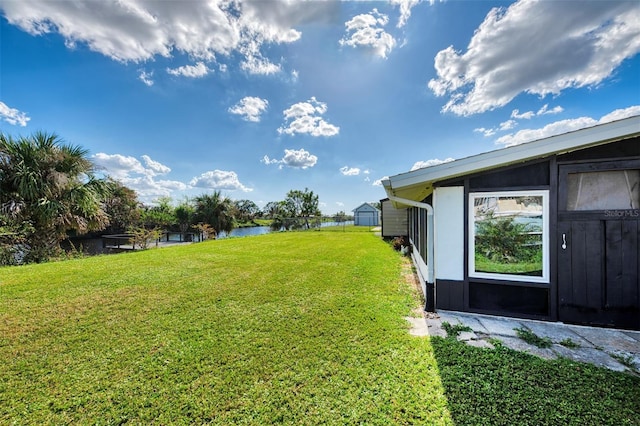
293 328
297 328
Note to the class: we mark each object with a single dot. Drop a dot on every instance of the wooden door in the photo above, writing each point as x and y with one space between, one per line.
599 247
598 273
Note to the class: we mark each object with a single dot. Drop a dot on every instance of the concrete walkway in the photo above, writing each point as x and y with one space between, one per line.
617 350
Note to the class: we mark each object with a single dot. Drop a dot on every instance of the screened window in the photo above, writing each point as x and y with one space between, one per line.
418 230
508 235
603 190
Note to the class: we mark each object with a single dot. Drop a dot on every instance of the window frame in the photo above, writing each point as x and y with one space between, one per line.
592 166
545 278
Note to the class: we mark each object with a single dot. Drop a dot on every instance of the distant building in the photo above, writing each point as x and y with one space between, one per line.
366 215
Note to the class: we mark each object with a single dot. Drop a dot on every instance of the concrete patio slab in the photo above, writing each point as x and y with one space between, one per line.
557 333
500 326
596 345
608 338
589 355
633 334
520 345
465 336
418 326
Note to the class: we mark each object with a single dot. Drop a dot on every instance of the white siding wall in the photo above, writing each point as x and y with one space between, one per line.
448 204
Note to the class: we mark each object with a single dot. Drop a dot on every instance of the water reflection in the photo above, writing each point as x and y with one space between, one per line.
261 230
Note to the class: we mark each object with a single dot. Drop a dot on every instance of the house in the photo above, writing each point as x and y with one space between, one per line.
394 221
547 230
366 215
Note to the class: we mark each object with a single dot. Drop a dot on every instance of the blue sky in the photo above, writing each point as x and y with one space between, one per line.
257 98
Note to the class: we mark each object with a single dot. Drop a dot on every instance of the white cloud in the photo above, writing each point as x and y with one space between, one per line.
486 132
524 116
508 125
192 71
13 116
349 171
538 48
139 30
378 182
621 113
305 117
133 174
367 30
545 110
219 179
339 204
405 9
155 168
118 166
565 126
266 160
429 163
146 77
256 64
250 108
298 159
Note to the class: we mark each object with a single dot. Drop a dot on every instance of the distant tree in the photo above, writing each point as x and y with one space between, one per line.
159 216
283 216
184 214
341 217
271 209
302 204
51 186
246 210
122 206
216 211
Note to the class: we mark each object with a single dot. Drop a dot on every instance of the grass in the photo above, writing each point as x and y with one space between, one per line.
454 331
625 359
568 343
292 328
483 264
505 387
532 338
288 328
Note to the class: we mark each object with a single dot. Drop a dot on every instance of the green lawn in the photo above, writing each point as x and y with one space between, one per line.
291 328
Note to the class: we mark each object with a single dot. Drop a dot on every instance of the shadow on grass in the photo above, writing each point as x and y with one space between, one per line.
505 387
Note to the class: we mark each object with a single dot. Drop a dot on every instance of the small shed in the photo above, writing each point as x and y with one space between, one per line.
548 229
366 215
394 221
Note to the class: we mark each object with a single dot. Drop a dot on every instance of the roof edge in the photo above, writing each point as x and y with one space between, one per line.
552 145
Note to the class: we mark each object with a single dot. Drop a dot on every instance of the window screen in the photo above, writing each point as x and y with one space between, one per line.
603 190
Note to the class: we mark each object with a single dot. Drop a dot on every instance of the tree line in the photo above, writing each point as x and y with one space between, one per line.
49 192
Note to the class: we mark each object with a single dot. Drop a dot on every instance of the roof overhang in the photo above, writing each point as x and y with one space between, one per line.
418 184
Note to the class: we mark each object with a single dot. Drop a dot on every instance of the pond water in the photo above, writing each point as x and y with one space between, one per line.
260 230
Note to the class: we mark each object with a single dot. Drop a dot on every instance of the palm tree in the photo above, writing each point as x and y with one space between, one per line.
215 210
184 215
51 186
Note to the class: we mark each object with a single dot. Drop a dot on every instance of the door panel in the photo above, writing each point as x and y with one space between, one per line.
598 268
598 273
580 269
621 264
